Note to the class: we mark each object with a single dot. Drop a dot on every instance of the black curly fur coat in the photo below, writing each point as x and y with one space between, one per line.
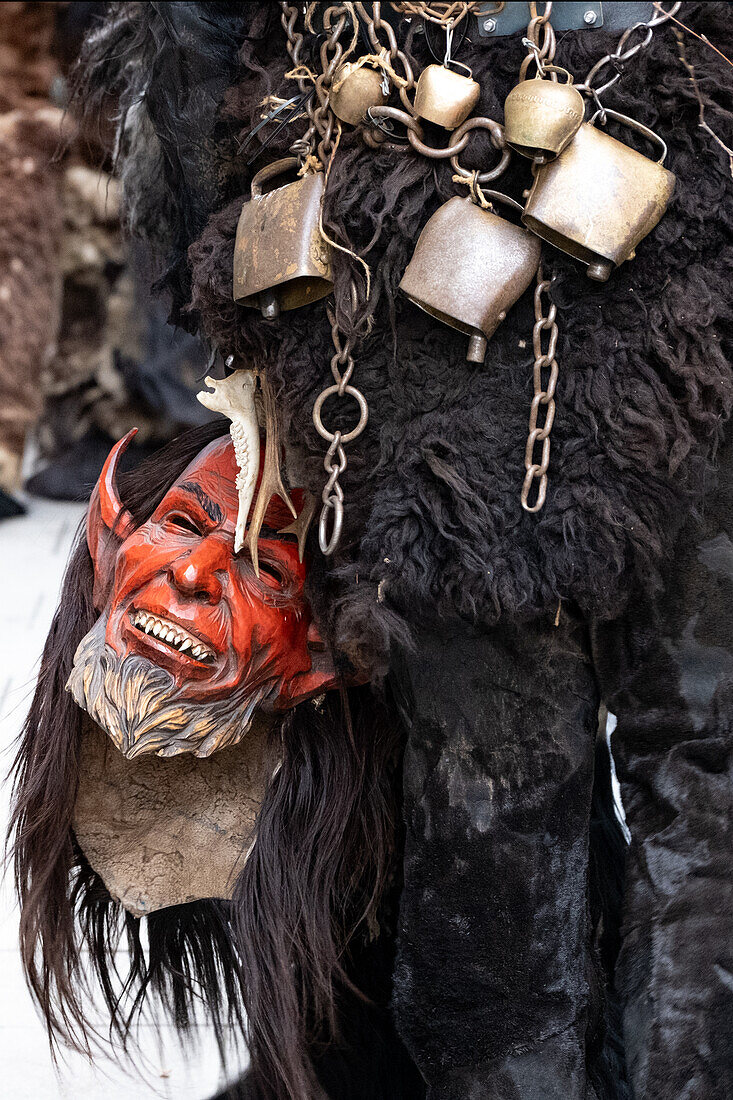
444 580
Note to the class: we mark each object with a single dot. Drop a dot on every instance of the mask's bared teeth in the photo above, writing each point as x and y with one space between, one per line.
172 635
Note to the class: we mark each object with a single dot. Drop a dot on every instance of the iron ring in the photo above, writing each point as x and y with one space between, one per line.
363 418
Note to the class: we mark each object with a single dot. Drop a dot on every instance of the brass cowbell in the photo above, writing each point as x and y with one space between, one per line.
600 197
444 96
469 267
281 258
355 89
542 116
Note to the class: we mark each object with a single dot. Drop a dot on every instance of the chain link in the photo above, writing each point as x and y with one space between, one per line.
544 395
623 53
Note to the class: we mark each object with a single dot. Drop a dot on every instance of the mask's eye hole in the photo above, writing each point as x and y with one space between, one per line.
184 523
271 574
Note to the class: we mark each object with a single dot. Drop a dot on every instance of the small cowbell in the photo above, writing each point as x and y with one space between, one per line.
355 89
599 198
469 267
542 116
445 97
281 258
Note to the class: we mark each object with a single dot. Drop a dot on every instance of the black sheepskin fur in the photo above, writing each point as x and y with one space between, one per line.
433 518
163 70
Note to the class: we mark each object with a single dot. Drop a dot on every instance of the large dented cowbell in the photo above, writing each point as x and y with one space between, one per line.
599 198
281 258
470 266
542 116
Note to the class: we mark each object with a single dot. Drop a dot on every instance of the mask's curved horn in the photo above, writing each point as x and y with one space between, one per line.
106 516
109 501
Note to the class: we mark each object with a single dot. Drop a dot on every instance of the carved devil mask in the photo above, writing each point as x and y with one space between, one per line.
191 642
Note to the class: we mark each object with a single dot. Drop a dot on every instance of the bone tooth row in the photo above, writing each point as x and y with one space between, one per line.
166 634
159 629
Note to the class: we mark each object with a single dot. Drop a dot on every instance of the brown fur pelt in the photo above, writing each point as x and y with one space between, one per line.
26 56
433 519
31 223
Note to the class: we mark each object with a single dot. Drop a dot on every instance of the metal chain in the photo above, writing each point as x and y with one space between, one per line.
319 143
544 395
459 139
289 17
439 13
342 368
319 139
539 40
541 44
623 53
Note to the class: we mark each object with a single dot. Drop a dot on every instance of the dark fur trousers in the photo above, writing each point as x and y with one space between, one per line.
495 984
498 985
666 670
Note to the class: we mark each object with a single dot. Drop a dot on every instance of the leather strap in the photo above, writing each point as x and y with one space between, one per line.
613 15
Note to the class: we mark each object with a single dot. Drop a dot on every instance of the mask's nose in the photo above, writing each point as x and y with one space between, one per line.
196 572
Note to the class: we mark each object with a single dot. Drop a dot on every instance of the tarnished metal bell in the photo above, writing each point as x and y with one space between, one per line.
542 116
599 198
470 266
281 259
355 89
445 97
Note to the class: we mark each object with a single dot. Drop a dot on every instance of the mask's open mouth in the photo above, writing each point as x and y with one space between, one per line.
172 635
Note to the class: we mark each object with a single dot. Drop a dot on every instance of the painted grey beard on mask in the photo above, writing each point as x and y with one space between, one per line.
139 706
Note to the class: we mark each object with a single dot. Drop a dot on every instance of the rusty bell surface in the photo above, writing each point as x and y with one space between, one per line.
445 97
469 267
599 198
281 259
541 117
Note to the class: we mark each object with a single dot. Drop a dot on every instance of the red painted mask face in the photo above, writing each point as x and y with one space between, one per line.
175 595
